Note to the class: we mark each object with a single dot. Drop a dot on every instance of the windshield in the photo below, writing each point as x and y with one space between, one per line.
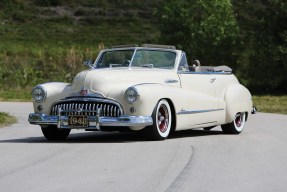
118 58
137 58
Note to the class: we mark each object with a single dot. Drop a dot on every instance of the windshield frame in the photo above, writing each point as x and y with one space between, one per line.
135 49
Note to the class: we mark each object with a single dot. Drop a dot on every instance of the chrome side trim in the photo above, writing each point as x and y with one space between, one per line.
185 112
204 123
205 73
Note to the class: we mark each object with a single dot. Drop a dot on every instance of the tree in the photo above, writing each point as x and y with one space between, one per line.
206 30
265 54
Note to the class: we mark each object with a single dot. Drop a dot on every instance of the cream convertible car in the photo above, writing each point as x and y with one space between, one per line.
149 88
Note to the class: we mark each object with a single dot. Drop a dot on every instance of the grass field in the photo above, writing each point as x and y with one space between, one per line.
16 95
6 119
271 104
41 42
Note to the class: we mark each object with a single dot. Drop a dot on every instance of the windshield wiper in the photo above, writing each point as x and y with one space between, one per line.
147 65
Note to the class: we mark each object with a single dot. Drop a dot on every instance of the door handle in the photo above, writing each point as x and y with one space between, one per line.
171 81
212 80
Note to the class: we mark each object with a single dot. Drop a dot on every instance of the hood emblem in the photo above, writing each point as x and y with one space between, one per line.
83 91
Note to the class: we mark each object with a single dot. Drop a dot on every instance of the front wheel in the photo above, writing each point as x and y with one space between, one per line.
53 133
161 121
236 126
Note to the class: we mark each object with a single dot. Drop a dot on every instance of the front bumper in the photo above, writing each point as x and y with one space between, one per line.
95 122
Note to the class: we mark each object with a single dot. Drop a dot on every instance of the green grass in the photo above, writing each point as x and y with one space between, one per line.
16 95
41 43
271 104
6 119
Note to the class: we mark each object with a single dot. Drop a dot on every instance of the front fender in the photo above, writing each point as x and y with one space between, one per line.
150 94
55 91
238 99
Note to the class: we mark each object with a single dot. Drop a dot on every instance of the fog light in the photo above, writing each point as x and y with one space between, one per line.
40 107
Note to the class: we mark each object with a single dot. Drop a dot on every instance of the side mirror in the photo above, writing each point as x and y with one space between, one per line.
88 63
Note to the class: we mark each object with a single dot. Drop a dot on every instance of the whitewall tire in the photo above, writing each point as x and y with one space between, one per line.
236 126
162 121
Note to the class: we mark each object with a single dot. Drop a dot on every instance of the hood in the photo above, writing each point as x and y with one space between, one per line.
103 81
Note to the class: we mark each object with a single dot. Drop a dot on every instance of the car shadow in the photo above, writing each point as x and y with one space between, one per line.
194 133
113 137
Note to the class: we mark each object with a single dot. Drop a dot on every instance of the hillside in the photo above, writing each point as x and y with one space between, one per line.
79 22
48 40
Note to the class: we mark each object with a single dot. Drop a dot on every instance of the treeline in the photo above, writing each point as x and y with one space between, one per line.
250 36
263 25
46 40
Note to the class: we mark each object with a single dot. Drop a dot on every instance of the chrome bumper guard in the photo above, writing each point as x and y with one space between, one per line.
95 122
254 110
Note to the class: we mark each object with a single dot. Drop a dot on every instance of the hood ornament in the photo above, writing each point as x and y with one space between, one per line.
83 91
79 110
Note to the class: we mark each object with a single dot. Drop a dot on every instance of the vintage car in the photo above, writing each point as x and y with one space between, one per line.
148 88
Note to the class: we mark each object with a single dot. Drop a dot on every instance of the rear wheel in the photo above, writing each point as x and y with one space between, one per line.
236 126
53 133
161 121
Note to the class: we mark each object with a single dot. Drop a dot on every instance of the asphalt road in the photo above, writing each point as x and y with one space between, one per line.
196 160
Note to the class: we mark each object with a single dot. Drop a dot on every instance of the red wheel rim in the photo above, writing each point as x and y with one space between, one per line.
163 118
238 120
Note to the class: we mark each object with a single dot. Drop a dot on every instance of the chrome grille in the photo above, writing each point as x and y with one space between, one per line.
89 108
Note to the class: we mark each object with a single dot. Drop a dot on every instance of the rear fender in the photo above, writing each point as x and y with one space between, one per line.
238 99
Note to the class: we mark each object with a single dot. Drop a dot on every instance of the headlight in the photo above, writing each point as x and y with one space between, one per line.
39 93
131 95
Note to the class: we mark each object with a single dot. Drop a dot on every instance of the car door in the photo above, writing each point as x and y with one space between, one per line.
202 103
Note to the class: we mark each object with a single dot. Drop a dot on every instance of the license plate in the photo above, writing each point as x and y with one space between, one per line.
78 121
